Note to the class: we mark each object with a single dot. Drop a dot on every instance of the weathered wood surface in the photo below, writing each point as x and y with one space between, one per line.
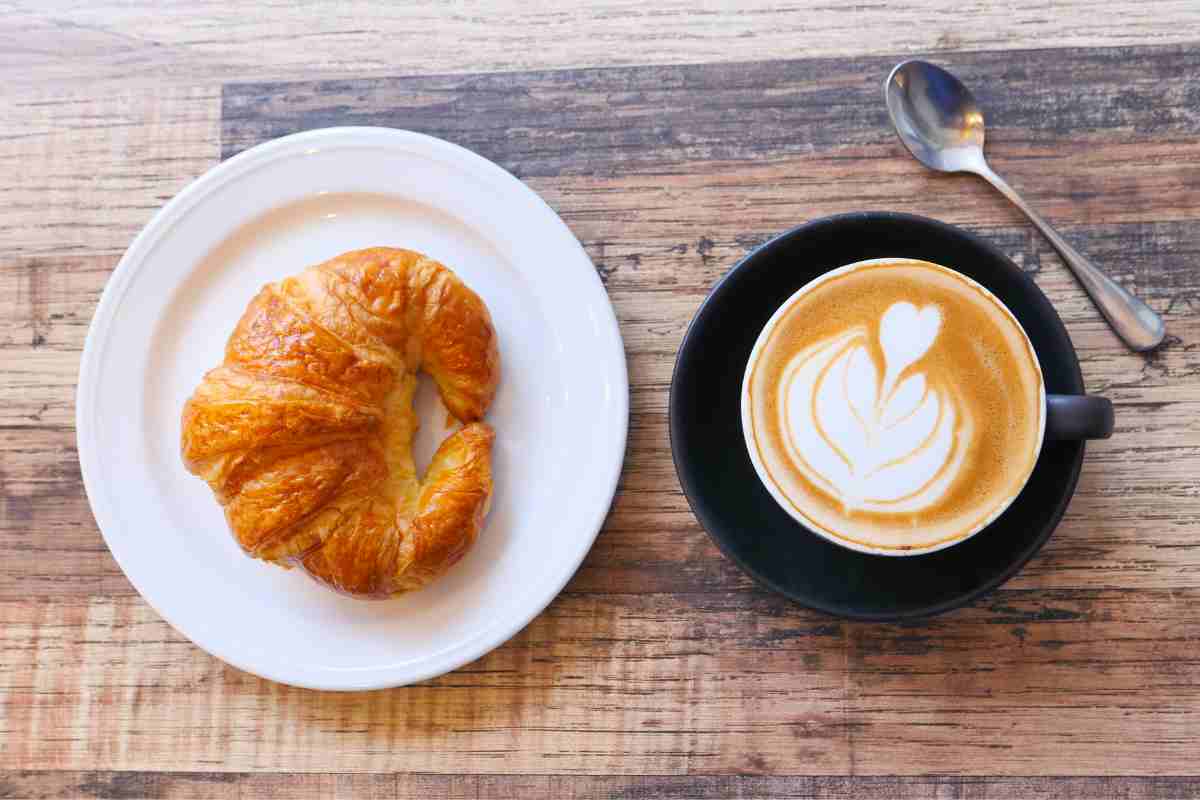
54 43
253 785
661 667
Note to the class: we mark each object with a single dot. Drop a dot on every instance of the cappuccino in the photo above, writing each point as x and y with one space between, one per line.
893 406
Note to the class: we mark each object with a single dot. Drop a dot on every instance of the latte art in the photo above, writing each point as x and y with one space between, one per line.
877 439
894 406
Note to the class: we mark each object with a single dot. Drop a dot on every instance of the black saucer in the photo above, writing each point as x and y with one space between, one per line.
724 491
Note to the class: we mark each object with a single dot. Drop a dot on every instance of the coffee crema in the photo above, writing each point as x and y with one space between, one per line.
895 405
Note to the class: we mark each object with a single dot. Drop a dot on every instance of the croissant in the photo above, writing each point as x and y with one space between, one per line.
304 432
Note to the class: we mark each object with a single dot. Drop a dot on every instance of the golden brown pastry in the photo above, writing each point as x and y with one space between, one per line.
305 431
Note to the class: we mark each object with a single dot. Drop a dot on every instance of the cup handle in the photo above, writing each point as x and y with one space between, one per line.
1078 416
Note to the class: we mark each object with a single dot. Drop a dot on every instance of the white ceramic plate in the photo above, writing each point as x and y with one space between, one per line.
560 414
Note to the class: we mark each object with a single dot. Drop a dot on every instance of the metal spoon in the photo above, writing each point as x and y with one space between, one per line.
940 123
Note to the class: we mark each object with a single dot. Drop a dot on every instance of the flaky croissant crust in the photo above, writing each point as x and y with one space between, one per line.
304 432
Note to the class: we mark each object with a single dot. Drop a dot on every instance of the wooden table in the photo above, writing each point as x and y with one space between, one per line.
672 138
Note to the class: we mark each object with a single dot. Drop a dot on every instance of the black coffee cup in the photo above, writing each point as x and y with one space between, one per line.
721 484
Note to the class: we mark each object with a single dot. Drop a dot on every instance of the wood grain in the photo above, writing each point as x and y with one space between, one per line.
1089 681
632 120
84 171
208 41
662 671
349 786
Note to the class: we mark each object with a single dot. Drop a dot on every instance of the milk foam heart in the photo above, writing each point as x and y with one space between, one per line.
861 433
906 334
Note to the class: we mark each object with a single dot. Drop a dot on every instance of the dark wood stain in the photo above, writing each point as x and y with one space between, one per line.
606 122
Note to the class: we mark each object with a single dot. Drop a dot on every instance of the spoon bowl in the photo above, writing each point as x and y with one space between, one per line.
936 117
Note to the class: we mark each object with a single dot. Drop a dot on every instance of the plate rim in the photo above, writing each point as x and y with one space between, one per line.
690 491
161 225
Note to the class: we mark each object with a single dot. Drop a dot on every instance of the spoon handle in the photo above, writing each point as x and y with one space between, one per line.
1134 321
